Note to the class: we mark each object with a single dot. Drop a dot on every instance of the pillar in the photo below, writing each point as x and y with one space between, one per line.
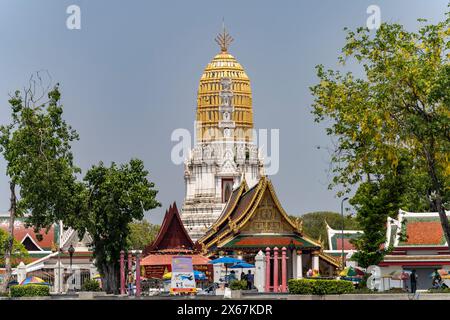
293 264
275 269
122 272
130 261
260 271
299 264
58 271
267 286
21 272
315 260
283 270
138 274
217 272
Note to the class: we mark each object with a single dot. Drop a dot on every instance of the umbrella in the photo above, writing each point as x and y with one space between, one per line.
400 275
33 280
226 261
351 272
97 276
242 265
197 274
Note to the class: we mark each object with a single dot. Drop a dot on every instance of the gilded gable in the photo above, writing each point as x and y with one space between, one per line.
267 218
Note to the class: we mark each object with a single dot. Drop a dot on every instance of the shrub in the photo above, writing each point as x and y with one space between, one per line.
320 286
30 290
238 285
440 290
91 285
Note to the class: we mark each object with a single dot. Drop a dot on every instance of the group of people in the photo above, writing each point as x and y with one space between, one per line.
436 280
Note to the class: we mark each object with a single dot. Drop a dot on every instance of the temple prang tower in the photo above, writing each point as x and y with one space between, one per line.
224 153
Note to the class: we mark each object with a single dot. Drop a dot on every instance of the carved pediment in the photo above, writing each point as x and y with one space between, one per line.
267 218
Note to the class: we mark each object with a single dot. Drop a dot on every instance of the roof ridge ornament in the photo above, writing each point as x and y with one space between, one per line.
224 39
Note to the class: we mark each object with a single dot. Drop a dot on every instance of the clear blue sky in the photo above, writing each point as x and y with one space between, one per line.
129 77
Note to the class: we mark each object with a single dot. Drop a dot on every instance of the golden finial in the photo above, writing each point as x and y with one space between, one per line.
224 39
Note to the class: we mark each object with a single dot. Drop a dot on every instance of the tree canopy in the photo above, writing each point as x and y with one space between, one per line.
114 196
36 145
398 113
314 224
142 233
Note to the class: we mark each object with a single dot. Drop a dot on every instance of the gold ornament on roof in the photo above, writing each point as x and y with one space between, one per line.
224 40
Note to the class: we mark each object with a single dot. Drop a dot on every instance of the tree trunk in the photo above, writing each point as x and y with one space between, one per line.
438 195
9 245
110 276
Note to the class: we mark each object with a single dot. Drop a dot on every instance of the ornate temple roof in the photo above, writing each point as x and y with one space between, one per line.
335 239
224 65
416 229
254 218
35 242
172 236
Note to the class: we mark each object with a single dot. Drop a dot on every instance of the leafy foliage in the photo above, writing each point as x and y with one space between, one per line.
142 233
36 147
397 115
91 285
320 287
113 197
30 290
19 253
39 162
238 285
314 224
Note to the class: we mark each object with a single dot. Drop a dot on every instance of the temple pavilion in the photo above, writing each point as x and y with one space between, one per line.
253 220
172 240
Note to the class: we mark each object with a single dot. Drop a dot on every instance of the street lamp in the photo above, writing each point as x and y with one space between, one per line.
71 250
342 234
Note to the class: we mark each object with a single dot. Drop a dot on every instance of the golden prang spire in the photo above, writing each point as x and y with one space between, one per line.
224 39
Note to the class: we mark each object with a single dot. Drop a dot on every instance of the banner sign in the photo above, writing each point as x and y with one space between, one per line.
183 279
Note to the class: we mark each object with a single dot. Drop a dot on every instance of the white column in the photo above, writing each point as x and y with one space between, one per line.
293 260
21 272
217 269
260 271
58 281
299 264
315 260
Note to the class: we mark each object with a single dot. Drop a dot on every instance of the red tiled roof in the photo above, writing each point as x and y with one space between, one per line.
258 240
424 232
172 234
166 259
347 244
20 231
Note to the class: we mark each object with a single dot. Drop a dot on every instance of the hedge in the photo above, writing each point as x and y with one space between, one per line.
238 285
29 290
319 286
91 285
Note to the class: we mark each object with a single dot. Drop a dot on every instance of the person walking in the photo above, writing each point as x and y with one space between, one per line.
413 279
130 282
436 279
243 276
250 278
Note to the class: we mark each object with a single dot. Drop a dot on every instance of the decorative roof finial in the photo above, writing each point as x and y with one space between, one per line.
224 39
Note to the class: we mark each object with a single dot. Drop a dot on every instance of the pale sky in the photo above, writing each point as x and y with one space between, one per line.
129 76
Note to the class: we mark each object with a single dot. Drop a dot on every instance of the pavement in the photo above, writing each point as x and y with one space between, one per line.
376 296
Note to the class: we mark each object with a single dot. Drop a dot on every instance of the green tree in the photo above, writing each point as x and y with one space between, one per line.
314 224
19 253
142 233
400 111
36 147
113 197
